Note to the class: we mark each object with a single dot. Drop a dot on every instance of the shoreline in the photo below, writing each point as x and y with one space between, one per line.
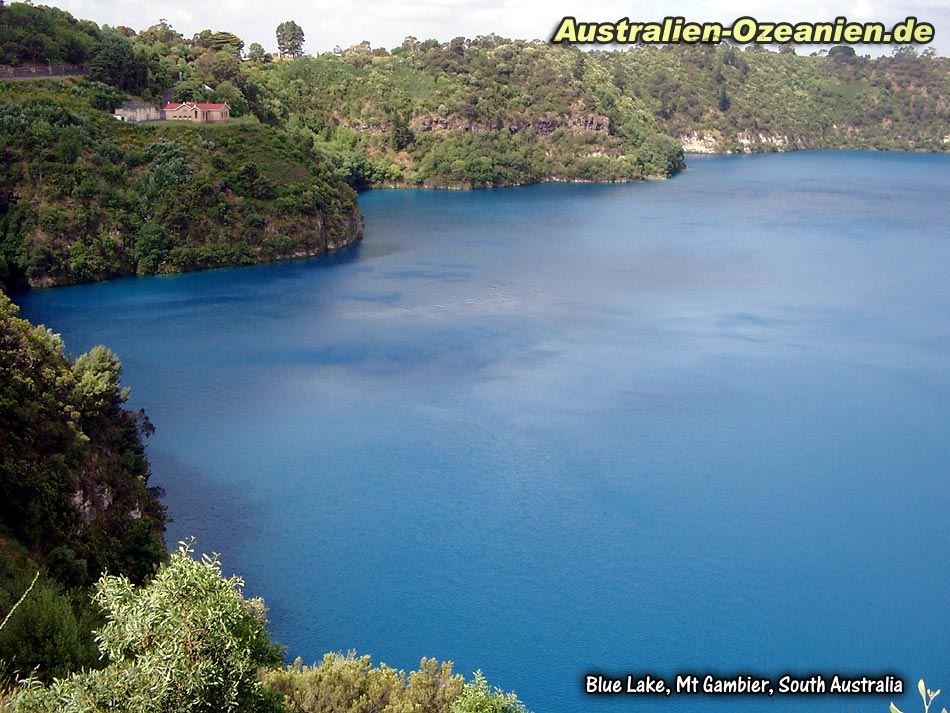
340 247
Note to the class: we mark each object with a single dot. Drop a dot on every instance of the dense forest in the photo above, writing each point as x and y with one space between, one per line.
83 197
494 111
491 111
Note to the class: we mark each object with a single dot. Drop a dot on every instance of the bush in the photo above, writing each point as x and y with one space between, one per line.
187 641
347 684
46 635
478 698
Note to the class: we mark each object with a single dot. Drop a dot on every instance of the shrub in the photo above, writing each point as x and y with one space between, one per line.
187 641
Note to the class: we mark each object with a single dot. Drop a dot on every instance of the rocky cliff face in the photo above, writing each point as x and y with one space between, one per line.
543 126
710 142
352 231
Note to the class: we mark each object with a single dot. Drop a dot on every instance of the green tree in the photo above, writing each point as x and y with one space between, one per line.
217 67
186 641
161 32
249 182
724 101
290 39
65 435
97 389
433 688
116 64
33 35
201 39
256 52
841 51
191 90
225 42
660 156
229 93
152 245
402 135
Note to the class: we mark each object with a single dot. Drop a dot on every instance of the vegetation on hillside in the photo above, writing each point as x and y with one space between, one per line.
188 640
757 100
74 493
36 35
491 111
84 197
485 112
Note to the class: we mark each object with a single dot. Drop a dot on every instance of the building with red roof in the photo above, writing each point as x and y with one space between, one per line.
198 112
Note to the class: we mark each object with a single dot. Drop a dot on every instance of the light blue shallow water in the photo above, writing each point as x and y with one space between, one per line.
696 425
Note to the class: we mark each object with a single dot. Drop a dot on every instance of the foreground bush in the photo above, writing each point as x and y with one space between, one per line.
347 684
187 641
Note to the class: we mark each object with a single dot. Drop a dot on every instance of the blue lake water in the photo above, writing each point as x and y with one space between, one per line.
700 425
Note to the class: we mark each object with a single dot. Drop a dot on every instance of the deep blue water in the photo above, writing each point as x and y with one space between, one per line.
695 425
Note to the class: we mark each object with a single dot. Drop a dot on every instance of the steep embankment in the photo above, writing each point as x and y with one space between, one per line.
84 197
73 473
74 495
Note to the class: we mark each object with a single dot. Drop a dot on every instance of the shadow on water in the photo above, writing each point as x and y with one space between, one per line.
197 504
